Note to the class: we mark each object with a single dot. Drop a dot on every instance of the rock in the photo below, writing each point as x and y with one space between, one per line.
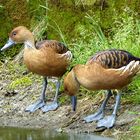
59 130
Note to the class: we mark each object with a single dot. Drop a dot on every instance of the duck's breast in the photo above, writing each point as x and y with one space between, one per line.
45 63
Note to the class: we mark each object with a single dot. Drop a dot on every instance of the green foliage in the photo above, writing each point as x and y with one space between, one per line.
132 95
37 9
134 112
136 128
1 7
12 73
12 14
20 82
124 33
64 99
84 29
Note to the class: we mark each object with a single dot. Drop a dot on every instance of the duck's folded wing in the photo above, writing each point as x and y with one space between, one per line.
58 47
127 71
67 55
113 58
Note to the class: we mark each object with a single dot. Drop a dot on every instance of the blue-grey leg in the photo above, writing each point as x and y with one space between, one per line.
100 113
110 120
41 102
54 105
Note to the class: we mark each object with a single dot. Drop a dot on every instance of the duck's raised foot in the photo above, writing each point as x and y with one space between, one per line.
94 117
107 122
35 106
50 107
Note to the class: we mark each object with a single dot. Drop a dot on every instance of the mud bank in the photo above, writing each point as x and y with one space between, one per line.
14 102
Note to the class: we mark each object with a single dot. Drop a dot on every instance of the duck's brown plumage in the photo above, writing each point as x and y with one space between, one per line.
113 58
47 58
98 74
58 47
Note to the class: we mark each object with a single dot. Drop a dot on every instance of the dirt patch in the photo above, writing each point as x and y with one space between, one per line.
13 104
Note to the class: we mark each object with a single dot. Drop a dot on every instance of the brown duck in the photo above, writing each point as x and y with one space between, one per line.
47 58
111 69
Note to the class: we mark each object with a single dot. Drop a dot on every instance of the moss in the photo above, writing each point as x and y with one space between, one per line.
67 14
14 13
69 22
20 82
36 10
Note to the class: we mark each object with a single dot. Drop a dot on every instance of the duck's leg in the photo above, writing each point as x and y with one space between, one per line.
41 102
110 120
54 105
100 113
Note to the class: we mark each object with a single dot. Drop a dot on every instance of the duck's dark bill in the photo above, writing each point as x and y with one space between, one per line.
9 43
74 102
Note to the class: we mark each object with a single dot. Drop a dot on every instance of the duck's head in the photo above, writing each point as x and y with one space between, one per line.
71 87
19 34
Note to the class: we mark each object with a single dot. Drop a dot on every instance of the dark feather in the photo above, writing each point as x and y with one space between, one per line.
113 58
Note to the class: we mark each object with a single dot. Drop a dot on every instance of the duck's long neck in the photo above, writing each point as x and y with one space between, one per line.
30 43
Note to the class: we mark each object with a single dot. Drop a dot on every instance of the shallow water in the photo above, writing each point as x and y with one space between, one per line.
10 133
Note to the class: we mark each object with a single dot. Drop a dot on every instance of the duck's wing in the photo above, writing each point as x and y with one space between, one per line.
38 45
113 58
127 71
58 47
118 78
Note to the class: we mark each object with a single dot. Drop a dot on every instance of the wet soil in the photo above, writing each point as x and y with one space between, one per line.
14 102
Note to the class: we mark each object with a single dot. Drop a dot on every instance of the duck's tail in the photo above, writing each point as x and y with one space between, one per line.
136 58
67 55
131 69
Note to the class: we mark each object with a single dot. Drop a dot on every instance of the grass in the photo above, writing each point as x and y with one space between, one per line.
124 34
20 82
136 127
84 39
90 38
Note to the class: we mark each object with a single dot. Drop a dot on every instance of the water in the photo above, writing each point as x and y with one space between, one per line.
9 133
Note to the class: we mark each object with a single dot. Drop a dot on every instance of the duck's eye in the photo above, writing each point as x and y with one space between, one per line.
14 33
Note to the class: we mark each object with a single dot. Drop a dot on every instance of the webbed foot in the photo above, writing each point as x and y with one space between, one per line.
107 122
35 106
94 117
50 107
